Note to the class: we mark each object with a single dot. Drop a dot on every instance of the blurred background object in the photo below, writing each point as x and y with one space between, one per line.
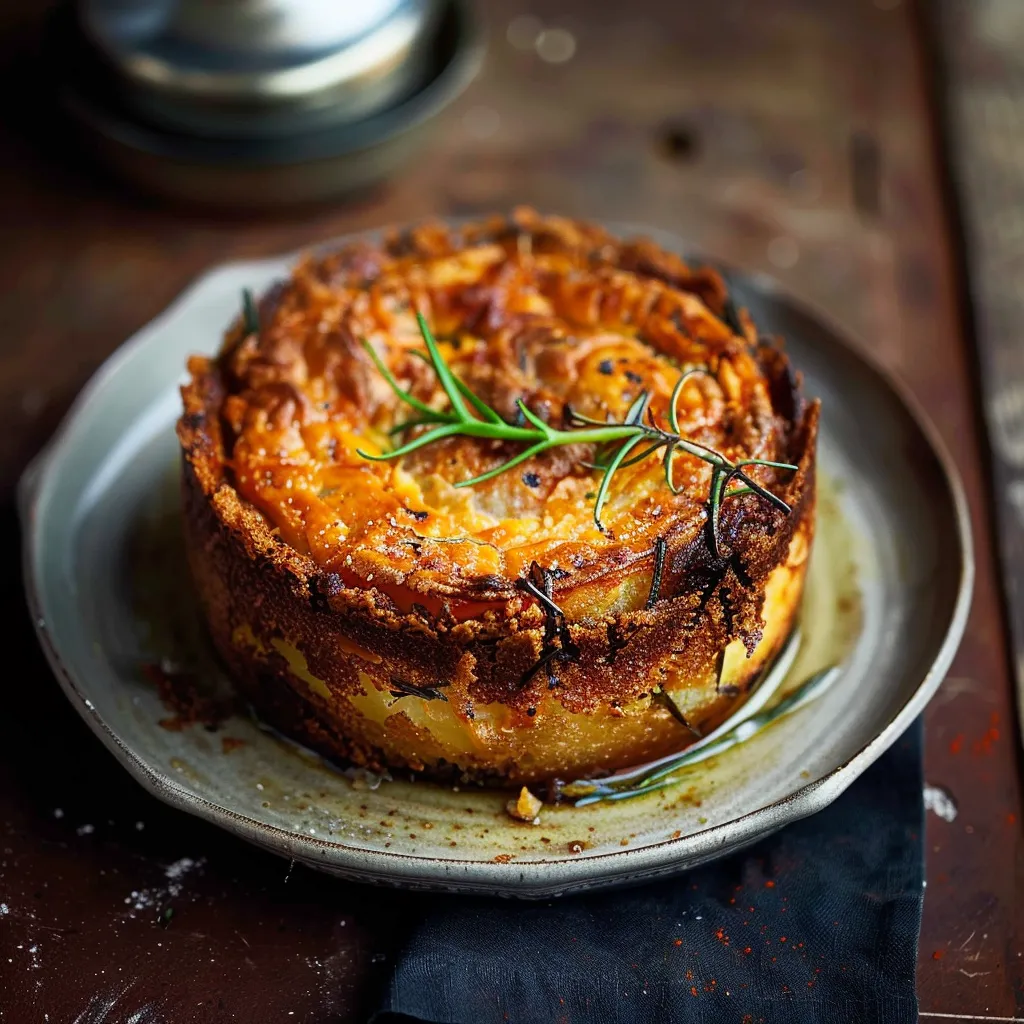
245 68
250 103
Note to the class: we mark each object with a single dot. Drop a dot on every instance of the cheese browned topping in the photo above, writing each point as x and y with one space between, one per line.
569 319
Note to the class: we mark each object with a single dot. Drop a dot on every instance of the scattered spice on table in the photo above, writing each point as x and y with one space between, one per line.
983 747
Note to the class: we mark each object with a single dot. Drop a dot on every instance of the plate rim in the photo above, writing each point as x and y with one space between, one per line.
536 878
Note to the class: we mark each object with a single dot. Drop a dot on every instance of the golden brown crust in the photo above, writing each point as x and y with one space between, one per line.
426 597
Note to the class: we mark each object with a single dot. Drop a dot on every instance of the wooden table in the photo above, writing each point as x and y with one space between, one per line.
793 137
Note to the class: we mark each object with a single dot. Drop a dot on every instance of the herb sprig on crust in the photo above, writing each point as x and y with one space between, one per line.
638 436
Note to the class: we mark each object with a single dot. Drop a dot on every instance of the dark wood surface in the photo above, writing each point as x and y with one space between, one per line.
983 101
793 137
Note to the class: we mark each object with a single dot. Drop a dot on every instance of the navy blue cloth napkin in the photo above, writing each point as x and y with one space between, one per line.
817 923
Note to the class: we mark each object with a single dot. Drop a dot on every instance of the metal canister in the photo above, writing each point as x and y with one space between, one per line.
260 68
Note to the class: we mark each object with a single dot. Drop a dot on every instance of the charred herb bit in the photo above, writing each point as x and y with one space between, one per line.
615 441
318 599
404 689
250 313
719 670
731 316
725 599
660 548
618 639
539 584
664 700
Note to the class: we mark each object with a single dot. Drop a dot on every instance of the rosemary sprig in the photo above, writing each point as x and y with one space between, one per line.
615 441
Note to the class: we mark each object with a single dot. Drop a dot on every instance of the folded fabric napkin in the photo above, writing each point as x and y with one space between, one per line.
818 923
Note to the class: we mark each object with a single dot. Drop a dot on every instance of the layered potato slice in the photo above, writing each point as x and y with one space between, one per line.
382 615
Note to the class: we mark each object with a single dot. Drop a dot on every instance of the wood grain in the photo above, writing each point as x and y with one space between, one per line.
983 99
793 137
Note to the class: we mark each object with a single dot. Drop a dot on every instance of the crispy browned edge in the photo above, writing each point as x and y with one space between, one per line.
247 577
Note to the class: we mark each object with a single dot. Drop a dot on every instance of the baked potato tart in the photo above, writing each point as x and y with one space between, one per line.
629 552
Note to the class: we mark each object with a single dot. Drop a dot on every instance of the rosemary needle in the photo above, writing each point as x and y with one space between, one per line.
250 313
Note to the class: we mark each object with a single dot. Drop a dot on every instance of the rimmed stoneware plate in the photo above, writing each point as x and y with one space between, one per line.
887 597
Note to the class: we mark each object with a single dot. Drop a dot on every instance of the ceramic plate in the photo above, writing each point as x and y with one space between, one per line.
887 599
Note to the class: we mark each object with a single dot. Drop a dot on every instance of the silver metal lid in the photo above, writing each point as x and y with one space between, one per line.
252 172
252 68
